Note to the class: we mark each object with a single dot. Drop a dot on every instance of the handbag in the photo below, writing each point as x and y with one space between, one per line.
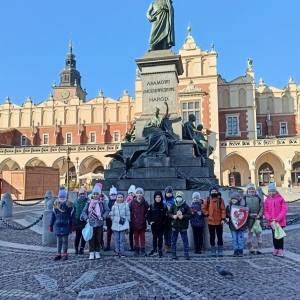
122 220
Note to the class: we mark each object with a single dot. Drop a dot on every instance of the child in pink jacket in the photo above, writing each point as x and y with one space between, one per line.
275 209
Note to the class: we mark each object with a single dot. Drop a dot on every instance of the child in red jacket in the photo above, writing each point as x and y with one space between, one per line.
275 210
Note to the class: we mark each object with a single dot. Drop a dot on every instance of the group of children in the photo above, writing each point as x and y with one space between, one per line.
168 216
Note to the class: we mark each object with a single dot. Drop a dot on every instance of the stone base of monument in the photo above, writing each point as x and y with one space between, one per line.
155 173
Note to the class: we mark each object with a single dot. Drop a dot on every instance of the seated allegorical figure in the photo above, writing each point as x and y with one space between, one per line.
205 149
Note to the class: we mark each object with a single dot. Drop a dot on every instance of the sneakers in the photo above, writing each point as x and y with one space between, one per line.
107 248
143 252
160 253
235 253
117 254
213 251
122 255
240 253
92 255
174 256
76 251
81 251
136 251
65 256
280 253
153 253
220 251
97 255
200 249
186 255
57 256
275 252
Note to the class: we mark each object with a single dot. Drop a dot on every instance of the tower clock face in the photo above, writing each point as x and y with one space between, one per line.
65 94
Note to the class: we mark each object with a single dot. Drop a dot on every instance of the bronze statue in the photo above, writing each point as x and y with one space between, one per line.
157 134
161 15
205 149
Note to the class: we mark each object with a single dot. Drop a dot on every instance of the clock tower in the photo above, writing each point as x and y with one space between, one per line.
70 80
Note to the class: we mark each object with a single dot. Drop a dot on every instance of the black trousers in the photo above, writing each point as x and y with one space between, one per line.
213 229
79 237
198 236
278 244
157 238
130 236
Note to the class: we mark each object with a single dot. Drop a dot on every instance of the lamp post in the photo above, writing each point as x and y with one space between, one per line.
77 170
68 166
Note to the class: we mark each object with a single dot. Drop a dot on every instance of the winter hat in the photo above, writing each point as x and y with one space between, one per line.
180 194
120 193
250 186
169 189
235 195
62 193
272 187
139 190
196 195
131 189
158 193
213 187
96 189
112 191
82 191
99 184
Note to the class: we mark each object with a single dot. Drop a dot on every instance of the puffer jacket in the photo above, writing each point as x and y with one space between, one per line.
139 214
198 216
119 210
256 206
104 209
158 215
62 218
275 208
177 224
79 206
214 209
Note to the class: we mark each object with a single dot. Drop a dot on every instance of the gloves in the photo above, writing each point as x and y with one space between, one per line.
51 228
73 228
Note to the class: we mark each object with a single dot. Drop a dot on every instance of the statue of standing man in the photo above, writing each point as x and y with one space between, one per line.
161 15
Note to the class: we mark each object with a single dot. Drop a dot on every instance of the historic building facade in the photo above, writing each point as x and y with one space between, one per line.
253 128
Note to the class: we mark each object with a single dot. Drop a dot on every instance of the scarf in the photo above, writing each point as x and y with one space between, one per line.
94 209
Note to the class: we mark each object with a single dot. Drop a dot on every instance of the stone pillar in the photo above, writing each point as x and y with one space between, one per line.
48 196
160 71
253 175
7 210
48 237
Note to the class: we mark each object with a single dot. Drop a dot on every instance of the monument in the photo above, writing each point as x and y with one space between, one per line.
157 156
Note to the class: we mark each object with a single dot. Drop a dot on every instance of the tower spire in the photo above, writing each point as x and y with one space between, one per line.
71 46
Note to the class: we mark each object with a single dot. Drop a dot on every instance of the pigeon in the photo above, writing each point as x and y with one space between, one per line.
222 271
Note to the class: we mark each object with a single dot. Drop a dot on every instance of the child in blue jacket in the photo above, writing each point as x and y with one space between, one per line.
63 220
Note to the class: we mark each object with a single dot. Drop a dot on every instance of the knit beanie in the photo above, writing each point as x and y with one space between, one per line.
235 195
168 189
62 193
196 195
120 193
250 186
158 193
82 191
272 187
112 191
139 189
213 187
99 184
131 189
96 189
180 194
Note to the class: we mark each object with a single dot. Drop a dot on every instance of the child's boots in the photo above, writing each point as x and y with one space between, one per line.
137 251
65 256
174 256
259 248
186 255
250 247
57 256
220 251
143 252
200 249
92 255
213 251
81 251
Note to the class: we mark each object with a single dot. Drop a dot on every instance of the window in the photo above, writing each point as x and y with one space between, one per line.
45 139
232 125
69 138
23 140
259 129
116 136
283 128
191 108
93 137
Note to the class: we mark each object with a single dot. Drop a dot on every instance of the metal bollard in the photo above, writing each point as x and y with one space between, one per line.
7 208
48 237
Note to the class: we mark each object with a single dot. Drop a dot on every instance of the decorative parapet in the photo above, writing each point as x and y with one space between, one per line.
260 143
60 149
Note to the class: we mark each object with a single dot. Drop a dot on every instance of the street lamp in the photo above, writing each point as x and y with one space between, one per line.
77 170
68 166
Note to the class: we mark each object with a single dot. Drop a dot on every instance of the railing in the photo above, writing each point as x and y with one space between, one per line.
60 149
261 143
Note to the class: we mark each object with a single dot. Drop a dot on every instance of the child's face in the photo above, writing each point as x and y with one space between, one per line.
169 195
234 201
213 191
251 191
62 198
113 196
96 195
131 194
157 198
272 193
196 199
120 198
139 195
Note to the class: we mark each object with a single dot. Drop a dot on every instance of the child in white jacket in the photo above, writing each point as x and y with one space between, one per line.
120 216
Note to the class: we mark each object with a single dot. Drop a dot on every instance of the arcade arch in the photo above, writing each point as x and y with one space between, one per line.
35 162
9 164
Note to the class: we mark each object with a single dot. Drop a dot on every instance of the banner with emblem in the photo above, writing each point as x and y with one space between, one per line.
238 216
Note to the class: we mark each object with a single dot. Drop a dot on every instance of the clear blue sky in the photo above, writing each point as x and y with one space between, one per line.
109 35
